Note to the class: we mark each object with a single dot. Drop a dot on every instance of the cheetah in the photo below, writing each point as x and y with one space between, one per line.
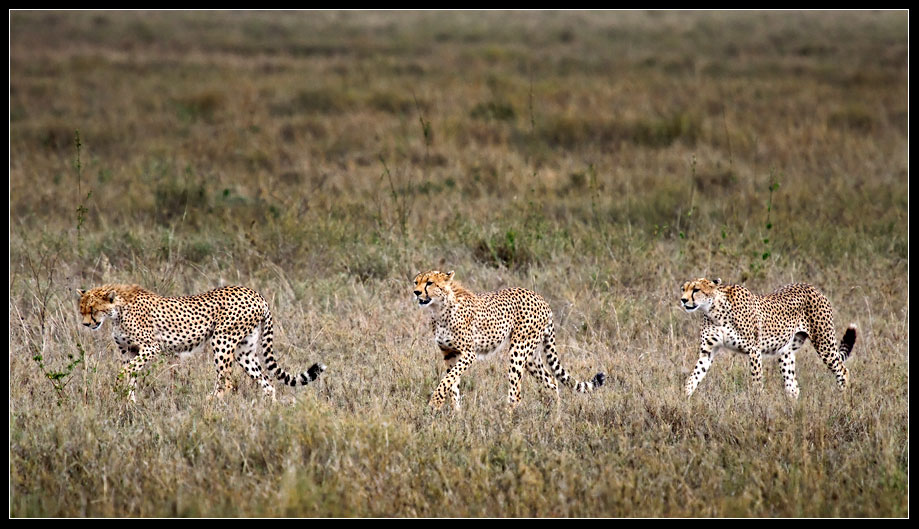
777 324
233 320
468 326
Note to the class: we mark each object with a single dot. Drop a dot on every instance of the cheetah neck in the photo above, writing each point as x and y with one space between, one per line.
449 310
460 294
128 293
719 308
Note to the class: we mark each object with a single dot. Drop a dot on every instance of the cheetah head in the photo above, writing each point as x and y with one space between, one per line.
698 293
431 287
95 305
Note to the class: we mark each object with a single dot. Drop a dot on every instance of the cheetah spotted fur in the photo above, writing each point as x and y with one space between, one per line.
235 321
468 326
776 324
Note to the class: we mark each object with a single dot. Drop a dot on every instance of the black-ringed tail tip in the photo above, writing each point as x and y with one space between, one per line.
591 385
302 379
315 369
848 342
598 380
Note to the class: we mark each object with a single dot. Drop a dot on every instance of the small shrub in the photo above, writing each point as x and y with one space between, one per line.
367 266
493 110
313 101
505 250
199 107
664 132
172 199
199 250
391 102
854 117
723 179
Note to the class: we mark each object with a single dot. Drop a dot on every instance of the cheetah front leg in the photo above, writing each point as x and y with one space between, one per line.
788 374
128 350
787 358
450 382
707 340
756 369
451 357
128 353
131 368
699 372
223 346
455 395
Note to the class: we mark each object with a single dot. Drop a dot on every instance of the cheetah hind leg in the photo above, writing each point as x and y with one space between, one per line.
756 369
520 353
826 348
536 368
248 359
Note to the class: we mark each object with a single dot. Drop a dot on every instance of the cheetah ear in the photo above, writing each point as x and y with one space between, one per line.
717 281
110 296
80 292
450 275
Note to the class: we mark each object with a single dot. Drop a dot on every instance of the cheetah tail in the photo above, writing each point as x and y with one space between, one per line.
594 383
277 371
598 380
561 373
847 343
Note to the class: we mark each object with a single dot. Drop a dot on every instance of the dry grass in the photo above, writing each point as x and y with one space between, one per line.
324 158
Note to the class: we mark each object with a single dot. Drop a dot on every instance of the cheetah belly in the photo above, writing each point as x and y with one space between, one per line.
730 341
185 355
484 348
491 337
187 340
490 350
779 336
779 344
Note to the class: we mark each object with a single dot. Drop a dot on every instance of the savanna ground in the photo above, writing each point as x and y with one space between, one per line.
325 158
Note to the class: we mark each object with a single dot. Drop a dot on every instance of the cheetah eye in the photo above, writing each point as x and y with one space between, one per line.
695 289
430 283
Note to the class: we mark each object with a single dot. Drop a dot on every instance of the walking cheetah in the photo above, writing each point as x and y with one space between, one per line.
467 326
234 320
779 323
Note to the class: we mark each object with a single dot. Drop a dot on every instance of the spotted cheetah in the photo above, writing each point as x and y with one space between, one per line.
777 324
232 320
468 326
